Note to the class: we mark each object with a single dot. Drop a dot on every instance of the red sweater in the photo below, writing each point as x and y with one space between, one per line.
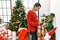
32 21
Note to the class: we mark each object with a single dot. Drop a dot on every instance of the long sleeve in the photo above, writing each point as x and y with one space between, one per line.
29 17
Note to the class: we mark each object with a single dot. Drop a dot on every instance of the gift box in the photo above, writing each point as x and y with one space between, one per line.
5 34
23 34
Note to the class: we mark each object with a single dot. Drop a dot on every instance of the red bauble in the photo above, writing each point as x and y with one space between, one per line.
14 10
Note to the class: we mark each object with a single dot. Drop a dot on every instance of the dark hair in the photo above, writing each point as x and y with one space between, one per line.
52 14
37 4
46 16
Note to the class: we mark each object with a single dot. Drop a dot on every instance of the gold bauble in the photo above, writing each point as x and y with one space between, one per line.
25 18
19 15
17 21
16 27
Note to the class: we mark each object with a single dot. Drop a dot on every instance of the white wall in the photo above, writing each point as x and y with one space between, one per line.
55 8
45 7
13 3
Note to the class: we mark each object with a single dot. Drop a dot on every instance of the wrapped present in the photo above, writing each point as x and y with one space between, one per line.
2 37
9 34
23 34
6 33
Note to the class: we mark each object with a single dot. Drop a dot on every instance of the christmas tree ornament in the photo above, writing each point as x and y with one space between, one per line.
16 27
20 15
25 18
17 21
14 10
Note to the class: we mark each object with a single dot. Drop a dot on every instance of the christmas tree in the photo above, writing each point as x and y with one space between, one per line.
18 17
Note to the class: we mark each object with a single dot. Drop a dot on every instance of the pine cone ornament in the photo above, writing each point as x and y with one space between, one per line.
17 21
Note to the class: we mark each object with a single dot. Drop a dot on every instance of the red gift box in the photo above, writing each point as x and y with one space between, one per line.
23 34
